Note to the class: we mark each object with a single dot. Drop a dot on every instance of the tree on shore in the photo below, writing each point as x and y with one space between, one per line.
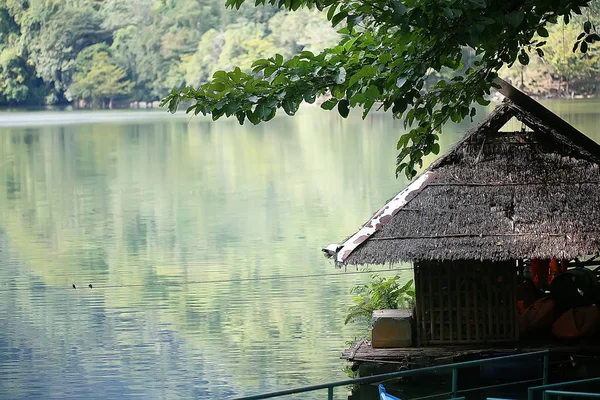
386 52
98 79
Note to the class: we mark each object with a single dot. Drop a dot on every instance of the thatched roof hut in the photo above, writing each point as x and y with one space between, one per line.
495 196
468 222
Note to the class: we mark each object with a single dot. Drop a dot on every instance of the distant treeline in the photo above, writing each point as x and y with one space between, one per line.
95 52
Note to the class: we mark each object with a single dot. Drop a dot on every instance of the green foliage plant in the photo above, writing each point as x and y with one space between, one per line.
386 52
379 294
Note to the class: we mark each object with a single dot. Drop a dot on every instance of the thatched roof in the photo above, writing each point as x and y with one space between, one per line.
494 196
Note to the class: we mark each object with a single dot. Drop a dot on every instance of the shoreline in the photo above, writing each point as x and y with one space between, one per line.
35 117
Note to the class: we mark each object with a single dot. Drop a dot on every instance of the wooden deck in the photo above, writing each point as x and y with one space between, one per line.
412 357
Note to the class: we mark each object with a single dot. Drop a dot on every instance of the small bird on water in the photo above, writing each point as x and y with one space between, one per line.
74 287
90 285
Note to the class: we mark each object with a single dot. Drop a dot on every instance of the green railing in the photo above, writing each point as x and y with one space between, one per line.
421 371
548 391
560 394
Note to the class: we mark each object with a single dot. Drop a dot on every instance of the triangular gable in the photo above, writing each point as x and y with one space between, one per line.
538 117
492 123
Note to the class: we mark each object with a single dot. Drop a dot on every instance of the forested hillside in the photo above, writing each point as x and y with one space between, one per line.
93 52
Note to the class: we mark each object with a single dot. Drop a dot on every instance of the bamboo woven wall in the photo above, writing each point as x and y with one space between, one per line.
466 302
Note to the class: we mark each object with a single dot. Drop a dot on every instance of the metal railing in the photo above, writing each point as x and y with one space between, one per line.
560 394
547 391
421 371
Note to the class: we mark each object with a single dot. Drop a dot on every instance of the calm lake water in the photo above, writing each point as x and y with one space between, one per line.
201 241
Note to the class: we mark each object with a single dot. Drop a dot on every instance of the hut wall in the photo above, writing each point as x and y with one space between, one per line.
466 302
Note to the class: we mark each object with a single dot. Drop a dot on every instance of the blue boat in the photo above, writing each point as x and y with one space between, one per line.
384 396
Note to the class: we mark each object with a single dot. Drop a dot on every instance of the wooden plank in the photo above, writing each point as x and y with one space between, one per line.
514 315
434 354
439 288
459 318
505 309
430 268
484 307
507 303
417 303
475 296
423 304
516 310
488 283
495 309
510 301
450 310
467 302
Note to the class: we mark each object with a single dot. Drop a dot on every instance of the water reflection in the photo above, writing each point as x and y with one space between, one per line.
148 213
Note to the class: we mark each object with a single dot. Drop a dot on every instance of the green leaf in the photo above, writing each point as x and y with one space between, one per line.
278 60
240 117
406 286
291 63
584 47
448 12
338 91
367 71
338 18
399 9
587 26
402 142
482 101
343 108
329 104
540 53
575 46
289 106
252 117
523 58
271 114
331 11
348 45
260 111
543 32
310 97
594 37
261 62
400 106
220 76
358 98
306 54
269 71
515 18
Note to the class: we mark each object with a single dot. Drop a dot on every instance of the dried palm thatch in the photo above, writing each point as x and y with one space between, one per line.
495 196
